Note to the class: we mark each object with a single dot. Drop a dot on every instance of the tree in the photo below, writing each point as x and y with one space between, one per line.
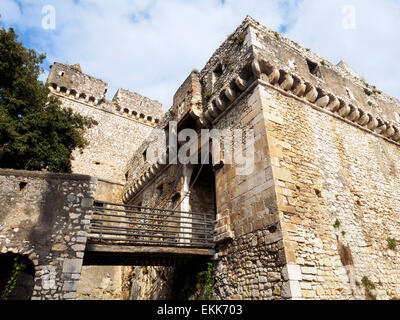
35 131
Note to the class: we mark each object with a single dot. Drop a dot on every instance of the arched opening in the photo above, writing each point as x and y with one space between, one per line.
92 99
73 93
17 275
126 111
149 118
63 90
134 113
82 96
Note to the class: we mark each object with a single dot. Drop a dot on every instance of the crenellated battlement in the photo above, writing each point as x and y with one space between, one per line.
69 82
137 106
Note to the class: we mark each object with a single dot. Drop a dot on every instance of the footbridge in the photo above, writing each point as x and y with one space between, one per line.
133 235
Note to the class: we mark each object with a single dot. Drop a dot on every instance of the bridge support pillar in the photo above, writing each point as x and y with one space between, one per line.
185 205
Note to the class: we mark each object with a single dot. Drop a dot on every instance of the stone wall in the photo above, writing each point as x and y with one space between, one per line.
46 217
338 196
250 250
123 124
100 283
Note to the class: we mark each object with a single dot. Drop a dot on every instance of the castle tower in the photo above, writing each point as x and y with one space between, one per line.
123 123
318 214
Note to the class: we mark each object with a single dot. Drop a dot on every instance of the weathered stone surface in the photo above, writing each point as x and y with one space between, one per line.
45 228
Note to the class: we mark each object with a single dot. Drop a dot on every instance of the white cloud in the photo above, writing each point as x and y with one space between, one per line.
372 48
9 12
150 46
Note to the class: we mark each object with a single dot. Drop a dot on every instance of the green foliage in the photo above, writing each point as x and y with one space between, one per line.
195 70
239 39
18 267
35 132
392 243
368 285
277 35
336 225
323 62
227 61
206 282
208 96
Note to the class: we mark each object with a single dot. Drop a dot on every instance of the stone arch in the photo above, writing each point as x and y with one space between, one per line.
23 278
126 110
63 90
142 116
149 118
134 113
92 99
82 96
73 93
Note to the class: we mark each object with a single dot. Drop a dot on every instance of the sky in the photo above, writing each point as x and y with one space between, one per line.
151 46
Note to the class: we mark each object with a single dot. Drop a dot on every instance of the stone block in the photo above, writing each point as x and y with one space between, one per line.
70 295
78 247
309 270
292 272
87 202
291 289
72 266
70 285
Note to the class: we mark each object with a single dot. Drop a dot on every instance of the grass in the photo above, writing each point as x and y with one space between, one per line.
239 39
227 61
207 96
336 225
368 285
392 243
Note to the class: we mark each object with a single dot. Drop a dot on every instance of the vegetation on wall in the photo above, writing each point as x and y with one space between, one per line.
18 267
35 132
194 282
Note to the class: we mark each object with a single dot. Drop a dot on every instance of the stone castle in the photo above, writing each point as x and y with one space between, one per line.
314 219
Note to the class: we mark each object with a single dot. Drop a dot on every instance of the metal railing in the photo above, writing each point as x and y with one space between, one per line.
134 225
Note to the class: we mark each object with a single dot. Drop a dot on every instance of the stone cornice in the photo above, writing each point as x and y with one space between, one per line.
296 87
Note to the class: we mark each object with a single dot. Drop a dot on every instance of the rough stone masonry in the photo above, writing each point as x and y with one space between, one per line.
316 219
313 220
46 218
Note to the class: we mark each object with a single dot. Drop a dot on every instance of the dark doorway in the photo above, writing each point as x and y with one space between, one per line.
202 193
17 275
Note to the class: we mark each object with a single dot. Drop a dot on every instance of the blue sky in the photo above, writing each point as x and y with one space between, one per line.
150 46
